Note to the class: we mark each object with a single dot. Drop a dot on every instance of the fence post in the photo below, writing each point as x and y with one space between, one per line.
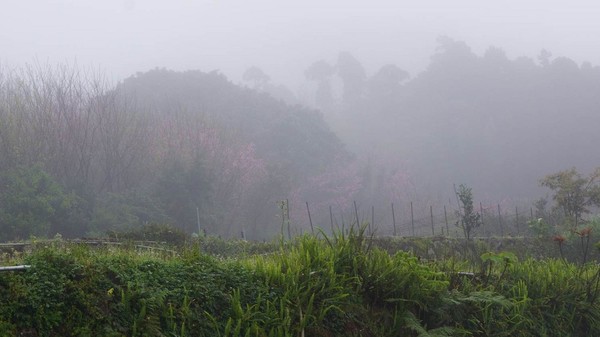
356 212
446 220
531 212
198 219
312 230
331 219
482 224
500 222
287 210
431 214
372 219
394 218
517 218
412 219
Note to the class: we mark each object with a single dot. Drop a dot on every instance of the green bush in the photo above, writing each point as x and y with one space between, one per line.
162 233
32 203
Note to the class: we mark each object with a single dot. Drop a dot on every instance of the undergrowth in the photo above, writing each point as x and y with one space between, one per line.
315 285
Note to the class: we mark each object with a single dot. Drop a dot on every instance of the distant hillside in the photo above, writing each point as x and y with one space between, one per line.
183 148
292 136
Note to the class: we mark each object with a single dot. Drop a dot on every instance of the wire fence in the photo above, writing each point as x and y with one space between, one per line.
412 219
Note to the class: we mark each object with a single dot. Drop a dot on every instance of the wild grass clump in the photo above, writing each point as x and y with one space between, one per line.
343 286
529 298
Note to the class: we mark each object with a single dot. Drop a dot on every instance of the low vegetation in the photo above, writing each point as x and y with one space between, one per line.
345 285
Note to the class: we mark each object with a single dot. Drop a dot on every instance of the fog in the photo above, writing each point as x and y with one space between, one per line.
218 111
284 37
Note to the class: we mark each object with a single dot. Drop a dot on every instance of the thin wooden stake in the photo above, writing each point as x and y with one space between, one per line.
287 210
431 214
198 219
517 218
500 221
372 224
531 212
412 219
331 218
446 220
394 219
482 224
312 230
356 213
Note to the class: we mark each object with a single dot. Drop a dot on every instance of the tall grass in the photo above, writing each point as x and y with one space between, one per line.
339 285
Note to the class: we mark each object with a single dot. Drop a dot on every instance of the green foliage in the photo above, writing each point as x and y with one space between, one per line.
501 260
32 203
574 194
469 219
123 211
152 232
413 323
332 286
540 228
192 140
181 190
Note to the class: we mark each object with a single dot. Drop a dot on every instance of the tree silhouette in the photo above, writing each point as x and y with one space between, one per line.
256 76
353 76
321 72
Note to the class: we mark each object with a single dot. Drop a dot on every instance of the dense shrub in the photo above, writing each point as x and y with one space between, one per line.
32 203
162 233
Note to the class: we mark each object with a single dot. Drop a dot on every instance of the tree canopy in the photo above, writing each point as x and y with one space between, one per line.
574 194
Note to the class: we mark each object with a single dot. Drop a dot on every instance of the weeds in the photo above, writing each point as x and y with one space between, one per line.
323 286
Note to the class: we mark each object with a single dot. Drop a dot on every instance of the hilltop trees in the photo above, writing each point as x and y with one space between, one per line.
256 76
261 82
321 72
468 115
353 76
386 80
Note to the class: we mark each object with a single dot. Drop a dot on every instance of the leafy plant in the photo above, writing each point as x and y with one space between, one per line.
469 219
539 227
574 194
33 203
500 260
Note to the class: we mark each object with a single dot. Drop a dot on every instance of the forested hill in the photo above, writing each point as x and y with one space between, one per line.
286 135
495 123
80 157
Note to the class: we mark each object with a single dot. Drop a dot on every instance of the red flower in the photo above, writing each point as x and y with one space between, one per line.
584 232
559 238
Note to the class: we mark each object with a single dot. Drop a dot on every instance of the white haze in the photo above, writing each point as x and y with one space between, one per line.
284 37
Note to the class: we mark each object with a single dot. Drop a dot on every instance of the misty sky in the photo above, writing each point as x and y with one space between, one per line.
284 36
